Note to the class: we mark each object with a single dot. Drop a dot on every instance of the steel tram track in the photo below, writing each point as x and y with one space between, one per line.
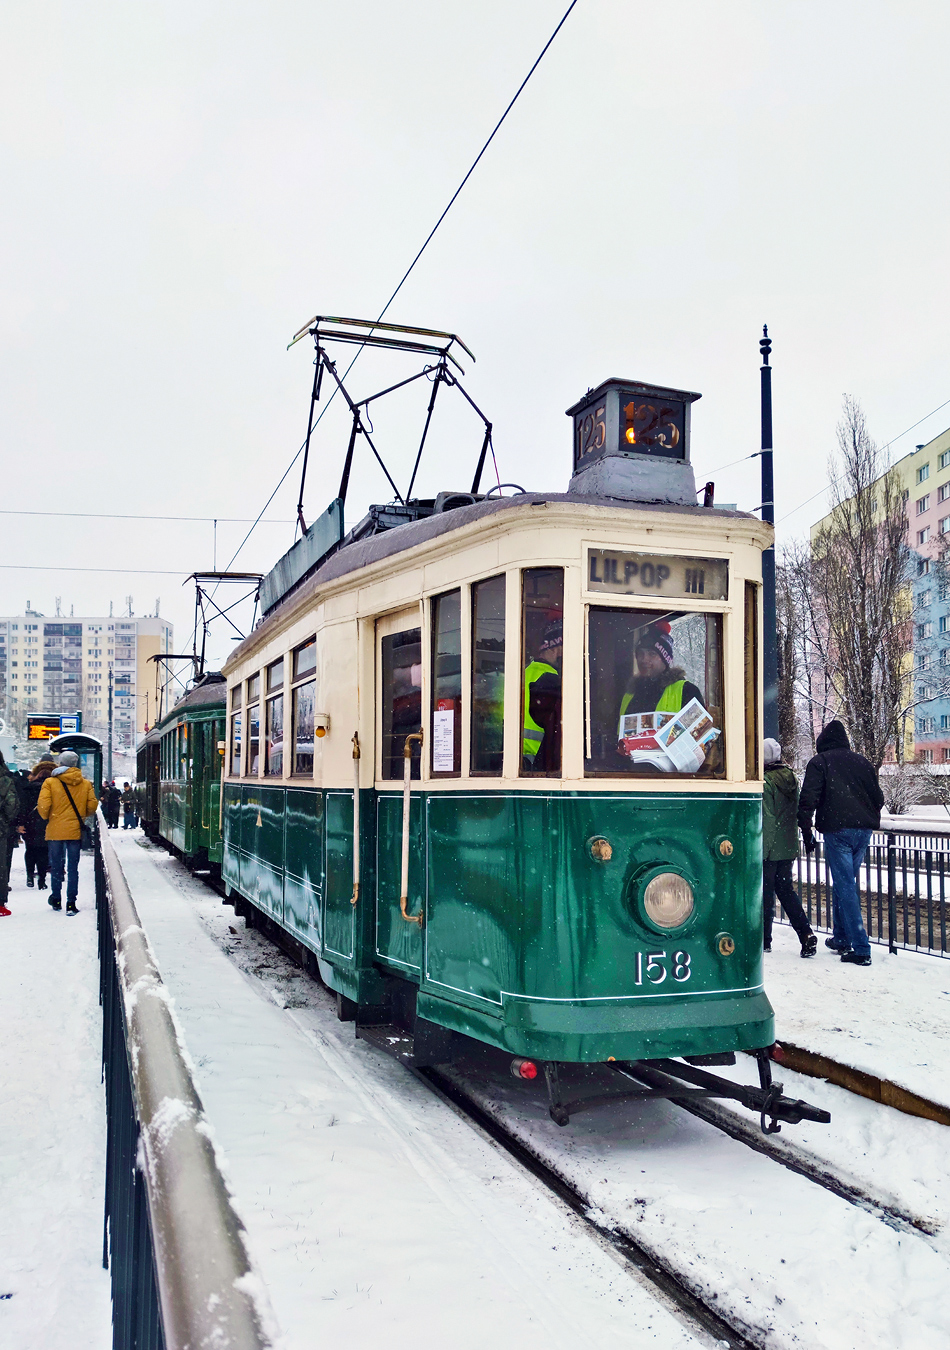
632 1255
639 1260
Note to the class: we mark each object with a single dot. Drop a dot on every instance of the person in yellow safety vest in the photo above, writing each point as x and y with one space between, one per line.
542 701
658 685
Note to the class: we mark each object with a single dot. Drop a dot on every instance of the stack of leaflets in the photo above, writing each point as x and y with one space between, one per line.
672 742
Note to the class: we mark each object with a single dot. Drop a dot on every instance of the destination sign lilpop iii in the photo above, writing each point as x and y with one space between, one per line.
657 574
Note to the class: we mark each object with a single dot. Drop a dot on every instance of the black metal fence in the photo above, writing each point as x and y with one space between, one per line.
127 1248
181 1275
904 887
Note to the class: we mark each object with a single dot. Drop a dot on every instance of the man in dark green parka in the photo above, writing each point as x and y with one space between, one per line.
780 847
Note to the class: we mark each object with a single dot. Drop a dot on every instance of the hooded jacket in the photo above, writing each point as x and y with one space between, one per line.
779 807
840 787
34 826
54 807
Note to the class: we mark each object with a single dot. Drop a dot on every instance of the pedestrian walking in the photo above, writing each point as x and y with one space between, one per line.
128 808
66 798
9 814
32 826
842 791
780 848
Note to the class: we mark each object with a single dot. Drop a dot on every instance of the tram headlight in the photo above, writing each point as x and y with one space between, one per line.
668 900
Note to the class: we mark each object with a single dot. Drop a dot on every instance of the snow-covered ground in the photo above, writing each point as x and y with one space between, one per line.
890 1019
54 1294
374 1212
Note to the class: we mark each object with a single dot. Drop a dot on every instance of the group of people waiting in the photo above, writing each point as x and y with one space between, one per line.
46 809
843 796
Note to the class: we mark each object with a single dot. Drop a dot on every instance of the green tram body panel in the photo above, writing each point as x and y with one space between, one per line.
529 943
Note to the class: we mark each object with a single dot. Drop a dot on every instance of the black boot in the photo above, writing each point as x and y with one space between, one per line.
809 944
55 902
41 884
71 907
29 882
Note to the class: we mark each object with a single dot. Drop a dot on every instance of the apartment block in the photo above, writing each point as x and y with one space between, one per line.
924 476
62 665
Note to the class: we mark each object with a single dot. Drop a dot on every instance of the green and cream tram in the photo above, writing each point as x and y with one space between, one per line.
570 869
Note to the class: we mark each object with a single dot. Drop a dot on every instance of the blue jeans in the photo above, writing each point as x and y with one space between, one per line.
63 855
845 851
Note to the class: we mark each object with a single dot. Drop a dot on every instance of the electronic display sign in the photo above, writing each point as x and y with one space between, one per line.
43 728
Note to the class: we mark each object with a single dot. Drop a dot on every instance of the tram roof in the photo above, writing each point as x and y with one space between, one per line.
211 689
401 538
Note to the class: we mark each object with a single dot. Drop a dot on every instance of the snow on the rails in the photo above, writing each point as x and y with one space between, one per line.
890 1019
373 1212
53 1290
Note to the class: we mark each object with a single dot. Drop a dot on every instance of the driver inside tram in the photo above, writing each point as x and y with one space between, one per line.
657 685
541 738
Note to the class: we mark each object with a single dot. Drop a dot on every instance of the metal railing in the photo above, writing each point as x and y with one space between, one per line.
181 1276
904 887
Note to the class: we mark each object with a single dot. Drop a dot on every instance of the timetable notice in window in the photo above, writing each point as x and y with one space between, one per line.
662 575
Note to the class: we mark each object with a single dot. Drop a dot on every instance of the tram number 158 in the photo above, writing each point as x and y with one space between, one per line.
654 967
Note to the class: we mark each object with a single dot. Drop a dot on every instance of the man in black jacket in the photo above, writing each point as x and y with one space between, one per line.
842 791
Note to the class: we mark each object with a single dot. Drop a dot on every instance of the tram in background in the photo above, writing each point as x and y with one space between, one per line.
178 768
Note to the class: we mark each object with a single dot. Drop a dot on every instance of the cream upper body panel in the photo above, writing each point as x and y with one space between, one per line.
402 570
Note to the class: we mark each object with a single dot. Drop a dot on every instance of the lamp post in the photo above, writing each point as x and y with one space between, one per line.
109 770
770 636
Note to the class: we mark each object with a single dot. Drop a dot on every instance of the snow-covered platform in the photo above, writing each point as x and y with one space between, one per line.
890 1019
374 1213
54 1293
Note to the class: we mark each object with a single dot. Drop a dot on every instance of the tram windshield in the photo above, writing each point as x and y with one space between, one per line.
654 693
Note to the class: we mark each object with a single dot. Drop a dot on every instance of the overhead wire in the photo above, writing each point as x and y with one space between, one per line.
428 241
115 515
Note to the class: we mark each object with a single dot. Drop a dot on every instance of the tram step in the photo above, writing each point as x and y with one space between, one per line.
431 1044
393 1040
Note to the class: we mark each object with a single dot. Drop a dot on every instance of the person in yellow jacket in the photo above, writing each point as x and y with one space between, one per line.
66 799
541 731
658 685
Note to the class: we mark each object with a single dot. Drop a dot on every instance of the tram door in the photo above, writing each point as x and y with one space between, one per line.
399 664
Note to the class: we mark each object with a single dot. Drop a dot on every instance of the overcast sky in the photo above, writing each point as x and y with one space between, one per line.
185 184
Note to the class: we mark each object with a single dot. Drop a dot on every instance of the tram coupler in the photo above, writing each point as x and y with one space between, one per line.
768 1099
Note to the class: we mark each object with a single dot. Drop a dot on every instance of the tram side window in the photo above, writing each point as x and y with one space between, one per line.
253 723
183 753
236 743
304 701
401 692
303 705
274 722
446 738
488 676
654 693
542 644
305 659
